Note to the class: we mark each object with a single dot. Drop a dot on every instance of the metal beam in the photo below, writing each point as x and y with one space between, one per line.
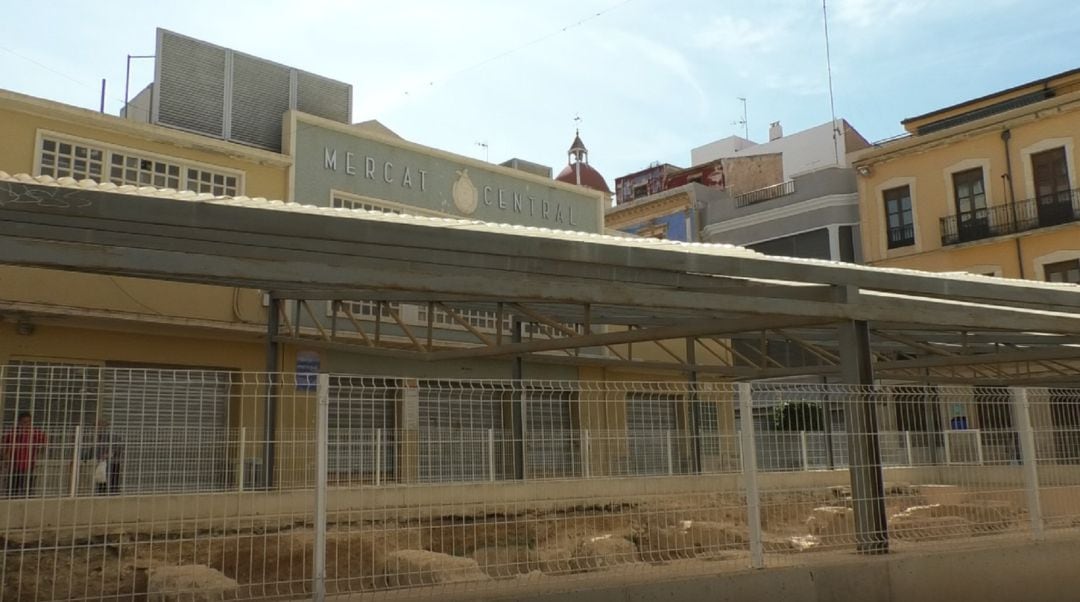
864 454
1001 357
705 327
26 203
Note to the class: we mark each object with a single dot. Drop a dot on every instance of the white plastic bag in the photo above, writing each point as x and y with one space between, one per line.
101 473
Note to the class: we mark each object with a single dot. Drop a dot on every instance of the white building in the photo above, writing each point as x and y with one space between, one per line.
803 151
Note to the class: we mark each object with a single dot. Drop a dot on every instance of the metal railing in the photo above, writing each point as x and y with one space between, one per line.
1011 218
765 194
901 236
455 486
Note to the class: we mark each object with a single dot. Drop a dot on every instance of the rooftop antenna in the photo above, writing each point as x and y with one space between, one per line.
832 101
742 122
483 144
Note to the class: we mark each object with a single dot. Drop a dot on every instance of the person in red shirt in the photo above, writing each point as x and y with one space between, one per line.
19 450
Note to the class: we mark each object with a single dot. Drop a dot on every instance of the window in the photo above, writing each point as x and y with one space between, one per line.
368 309
63 158
346 201
129 169
1053 196
972 217
477 318
899 218
218 184
1063 271
340 203
640 191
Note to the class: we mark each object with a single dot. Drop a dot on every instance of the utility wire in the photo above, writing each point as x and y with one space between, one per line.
534 42
828 66
96 87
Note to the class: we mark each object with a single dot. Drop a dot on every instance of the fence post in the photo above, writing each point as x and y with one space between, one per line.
803 451
667 448
948 448
586 468
378 457
750 484
75 461
491 454
907 446
978 447
1022 420
240 458
322 423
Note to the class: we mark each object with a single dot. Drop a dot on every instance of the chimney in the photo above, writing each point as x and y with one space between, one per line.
775 131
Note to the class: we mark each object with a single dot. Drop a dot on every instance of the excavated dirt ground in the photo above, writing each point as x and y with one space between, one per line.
273 561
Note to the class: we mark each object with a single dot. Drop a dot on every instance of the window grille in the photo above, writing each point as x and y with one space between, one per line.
65 158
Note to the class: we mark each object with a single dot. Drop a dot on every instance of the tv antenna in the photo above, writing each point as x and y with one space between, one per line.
742 122
484 145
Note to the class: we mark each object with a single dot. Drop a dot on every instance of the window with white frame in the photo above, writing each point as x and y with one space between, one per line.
342 200
1063 271
369 309
477 318
363 204
61 157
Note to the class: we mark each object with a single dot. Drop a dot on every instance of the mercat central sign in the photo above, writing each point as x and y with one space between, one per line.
334 160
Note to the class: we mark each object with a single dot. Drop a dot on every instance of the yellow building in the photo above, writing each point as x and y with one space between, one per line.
985 186
47 314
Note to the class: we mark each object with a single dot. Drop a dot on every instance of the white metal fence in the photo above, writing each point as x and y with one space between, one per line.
126 482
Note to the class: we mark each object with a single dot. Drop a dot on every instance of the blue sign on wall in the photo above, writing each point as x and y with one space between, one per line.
307 370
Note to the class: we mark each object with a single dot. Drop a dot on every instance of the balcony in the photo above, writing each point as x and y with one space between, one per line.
765 194
1011 218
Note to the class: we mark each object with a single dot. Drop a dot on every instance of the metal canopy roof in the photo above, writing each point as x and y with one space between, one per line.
588 288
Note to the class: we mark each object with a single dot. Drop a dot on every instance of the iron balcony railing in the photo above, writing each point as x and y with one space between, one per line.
901 236
765 194
1011 218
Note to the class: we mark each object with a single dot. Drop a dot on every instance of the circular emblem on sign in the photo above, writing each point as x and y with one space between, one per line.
464 193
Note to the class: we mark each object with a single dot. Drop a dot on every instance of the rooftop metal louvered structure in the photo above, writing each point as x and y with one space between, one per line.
223 93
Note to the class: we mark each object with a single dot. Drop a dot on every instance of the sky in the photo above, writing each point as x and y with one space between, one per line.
649 79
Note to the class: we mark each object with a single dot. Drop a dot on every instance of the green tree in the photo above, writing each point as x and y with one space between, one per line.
799 416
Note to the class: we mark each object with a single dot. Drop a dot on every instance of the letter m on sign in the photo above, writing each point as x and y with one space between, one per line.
330 158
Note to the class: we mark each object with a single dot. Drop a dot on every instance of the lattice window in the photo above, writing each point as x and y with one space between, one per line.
216 183
479 319
61 159
366 205
368 309
141 171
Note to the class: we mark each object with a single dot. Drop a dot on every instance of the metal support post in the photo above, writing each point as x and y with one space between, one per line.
750 483
586 469
517 410
322 423
1022 420
240 458
907 447
830 454
948 448
491 454
696 457
804 453
270 404
864 451
978 447
667 450
75 461
378 457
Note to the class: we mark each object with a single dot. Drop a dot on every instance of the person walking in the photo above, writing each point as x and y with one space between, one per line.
19 451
